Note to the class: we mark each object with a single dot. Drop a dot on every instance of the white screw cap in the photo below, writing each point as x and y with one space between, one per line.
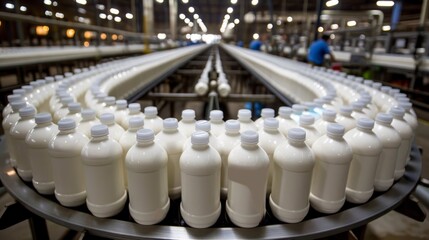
99 130
216 115
285 111
203 125
136 122
271 123
16 105
335 129
249 137
397 112
43 118
107 118
329 115
74 107
296 134
170 123
306 120
232 126
151 111
244 114
200 138
110 101
384 118
88 114
365 123
66 124
134 107
13 97
27 112
145 135
121 104
267 113
188 114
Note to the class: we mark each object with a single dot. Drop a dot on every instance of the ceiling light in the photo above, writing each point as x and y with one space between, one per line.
385 3
320 29
100 6
54 3
48 13
230 10
227 17
279 22
289 19
70 32
199 21
191 9
42 30
102 15
332 3
196 16
185 1
231 25
187 20
83 2
332 36
190 24
118 19
47 2
81 10
114 37
386 28
160 1
334 26
233 1
270 26
129 16
109 17
254 3
114 11
23 8
59 15
351 23
9 6
182 16
236 21
161 36
255 36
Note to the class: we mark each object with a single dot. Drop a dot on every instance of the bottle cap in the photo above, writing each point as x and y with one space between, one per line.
68 74
203 125
368 83
188 114
35 84
329 115
27 111
151 111
134 107
385 89
398 95
41 82
110 101
335 129
99 130
365 123
59 77
298 108
384 118
170 123
271 123
405 105
107 118
216 115
249 137
306 120
244 114
376 85
267 113
403 99
296 134
232 126
358 106
346 110
88 114
397 112
393 91
27 88
66 100
100 96
19 92
200 138
43 117
145 134
136 122
285 111
13 97
17 105
77 70
310 105
121 104
74 107
66 124
49 79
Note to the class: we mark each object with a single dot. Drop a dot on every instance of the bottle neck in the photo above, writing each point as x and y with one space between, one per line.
296 143
366 130
216 121
134 129
200 146
143 143
170 130
27 117
47 124
68 131
285 116
232 133
334 136
271 130
190 120
99 138
249 145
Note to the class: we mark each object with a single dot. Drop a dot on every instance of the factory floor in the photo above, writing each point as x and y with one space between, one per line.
392 225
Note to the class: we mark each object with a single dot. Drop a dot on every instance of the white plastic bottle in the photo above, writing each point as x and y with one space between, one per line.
406 133
217 123
115 131
248 166
121 111
37 141
74 112
345 118
8 122
408 116
62 112
294 164
390 140
172 140
366 148
152 121
64 151
17 134
101 157
357 110
328 116
187 123
205 126
265 113
333 156
200 167
269 139
227 141
306 122
88 120
146 167
134 110
297 111
246 123
109 106
285 121
8 109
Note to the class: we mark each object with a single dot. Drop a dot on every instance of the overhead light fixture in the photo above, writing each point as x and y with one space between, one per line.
100 7
129 16
386 28
70 32
102 15
23 8
81 10
118 19
103 36
82 2
385 3
196 16
54 3
334 26
48 13
114 11
254 3
187 20
191 9
231 25
160 1
190 24
229 10
279 22
162 36
270 26
9 6
199 20
185 1
87 34
332 3
182 16
86 44
233 1
227 17
47 2
332 36
42 30
320 29
255 36
109 17
114 37
236 21
351 23
59 15
289 19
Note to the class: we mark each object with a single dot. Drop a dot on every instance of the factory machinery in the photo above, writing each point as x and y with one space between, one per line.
208 77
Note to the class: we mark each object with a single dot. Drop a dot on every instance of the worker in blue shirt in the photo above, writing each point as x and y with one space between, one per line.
318 50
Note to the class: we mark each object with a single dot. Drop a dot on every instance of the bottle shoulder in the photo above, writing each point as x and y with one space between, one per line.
335 151
101 152
294 158
146 158
200 162
39 137
363 143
